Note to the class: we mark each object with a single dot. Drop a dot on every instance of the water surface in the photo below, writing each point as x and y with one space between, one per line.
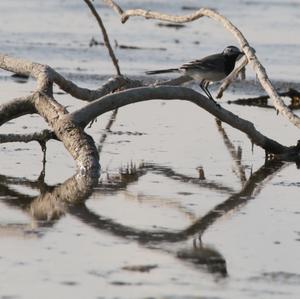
137 235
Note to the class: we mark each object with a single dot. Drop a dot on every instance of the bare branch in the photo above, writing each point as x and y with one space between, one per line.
16 108
105 36
89 95
40 137
45 75
248 50
84 115
24 67
114 6
53 200
80 145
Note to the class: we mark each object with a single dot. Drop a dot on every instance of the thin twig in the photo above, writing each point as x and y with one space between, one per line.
105 36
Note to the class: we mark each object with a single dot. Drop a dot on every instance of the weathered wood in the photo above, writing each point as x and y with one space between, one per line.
16 108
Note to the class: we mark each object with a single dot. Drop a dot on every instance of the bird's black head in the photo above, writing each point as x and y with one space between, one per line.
230 55
232 51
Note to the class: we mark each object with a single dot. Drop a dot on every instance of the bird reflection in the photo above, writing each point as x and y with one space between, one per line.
204 256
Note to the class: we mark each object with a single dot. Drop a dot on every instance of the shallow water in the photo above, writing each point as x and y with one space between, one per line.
137 235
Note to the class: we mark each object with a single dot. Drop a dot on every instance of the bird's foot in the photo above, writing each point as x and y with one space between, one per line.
217 104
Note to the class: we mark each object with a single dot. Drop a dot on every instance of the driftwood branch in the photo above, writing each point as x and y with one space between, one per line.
80 145
85 94
16 108
107 103
44 74
247 49
77 142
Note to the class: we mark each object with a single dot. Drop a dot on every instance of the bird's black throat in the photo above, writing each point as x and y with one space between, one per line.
230 63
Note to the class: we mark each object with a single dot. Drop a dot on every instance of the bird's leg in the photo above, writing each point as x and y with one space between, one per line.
206 83
204 87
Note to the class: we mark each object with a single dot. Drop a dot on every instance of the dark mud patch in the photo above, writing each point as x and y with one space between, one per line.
140 268
278 277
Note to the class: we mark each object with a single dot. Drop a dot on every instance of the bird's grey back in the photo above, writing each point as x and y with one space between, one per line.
211 68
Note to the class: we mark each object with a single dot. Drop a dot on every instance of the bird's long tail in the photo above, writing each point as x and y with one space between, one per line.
162 71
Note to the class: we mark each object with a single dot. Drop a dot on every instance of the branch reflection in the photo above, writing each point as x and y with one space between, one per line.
70 197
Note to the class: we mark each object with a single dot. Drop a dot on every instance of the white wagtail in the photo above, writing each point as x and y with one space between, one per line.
211 68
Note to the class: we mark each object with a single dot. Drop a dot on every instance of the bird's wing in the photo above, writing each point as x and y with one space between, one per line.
206 64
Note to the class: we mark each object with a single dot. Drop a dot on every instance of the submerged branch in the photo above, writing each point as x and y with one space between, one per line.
262 101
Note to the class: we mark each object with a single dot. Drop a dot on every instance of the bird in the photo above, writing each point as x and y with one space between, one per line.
208 69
